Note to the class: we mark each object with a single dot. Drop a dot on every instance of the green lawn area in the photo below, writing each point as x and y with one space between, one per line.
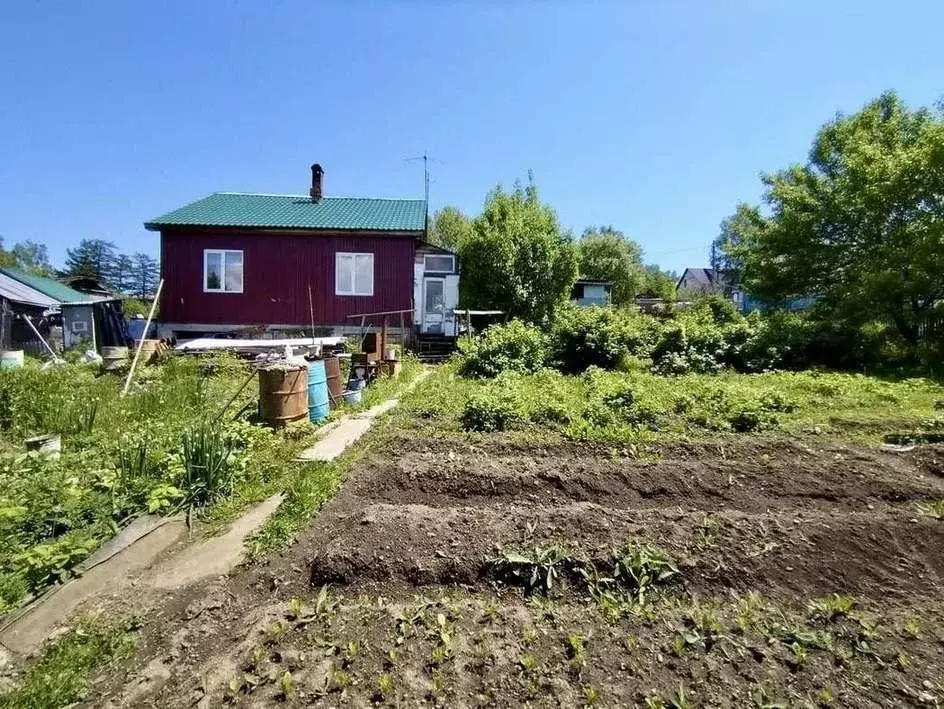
640 407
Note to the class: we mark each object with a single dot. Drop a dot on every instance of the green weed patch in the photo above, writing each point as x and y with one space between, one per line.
158 450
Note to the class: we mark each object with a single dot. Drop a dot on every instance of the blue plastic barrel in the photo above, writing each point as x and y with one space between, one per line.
318 407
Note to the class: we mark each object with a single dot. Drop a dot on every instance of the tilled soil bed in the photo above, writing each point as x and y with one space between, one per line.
793 574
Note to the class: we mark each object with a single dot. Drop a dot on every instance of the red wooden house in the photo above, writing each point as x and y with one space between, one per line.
233 260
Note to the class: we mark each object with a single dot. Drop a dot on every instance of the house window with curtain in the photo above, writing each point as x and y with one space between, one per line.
222 271
354 274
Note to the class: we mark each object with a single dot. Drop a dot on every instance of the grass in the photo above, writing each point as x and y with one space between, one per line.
61 675
934 510
639 407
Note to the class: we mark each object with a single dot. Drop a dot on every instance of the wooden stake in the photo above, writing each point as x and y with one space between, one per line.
239 391
33 328
147 326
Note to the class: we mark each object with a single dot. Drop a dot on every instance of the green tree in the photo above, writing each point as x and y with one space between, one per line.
32 257
516 258
448 228
7 259
125 277
607 255
146 275
861 224
94 258
659 283
743 224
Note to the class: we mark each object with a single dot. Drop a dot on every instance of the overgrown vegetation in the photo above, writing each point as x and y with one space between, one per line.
709 337
60 677
857 228
159 450
639 406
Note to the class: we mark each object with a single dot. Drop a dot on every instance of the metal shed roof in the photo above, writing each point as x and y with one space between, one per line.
18 292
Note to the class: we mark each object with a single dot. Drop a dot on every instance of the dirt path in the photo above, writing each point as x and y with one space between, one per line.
416 613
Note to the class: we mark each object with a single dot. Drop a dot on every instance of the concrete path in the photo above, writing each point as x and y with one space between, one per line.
214 556
351 428
45 616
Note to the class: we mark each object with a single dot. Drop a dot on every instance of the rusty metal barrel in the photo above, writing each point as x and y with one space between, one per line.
335 385
283 394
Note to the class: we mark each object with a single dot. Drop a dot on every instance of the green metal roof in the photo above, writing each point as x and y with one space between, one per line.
47 286
280 211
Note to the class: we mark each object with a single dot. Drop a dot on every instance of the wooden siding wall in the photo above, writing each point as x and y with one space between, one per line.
277 270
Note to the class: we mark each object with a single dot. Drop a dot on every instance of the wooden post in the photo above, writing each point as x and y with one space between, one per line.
147 326
311 311
3 323
383 339
94 342
33 328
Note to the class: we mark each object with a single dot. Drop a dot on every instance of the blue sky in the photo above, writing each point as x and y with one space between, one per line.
655 117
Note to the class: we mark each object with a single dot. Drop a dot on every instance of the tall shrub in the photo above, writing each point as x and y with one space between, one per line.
597 337
512 347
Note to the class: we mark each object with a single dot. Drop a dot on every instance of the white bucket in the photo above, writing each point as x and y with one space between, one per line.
390 354
11 359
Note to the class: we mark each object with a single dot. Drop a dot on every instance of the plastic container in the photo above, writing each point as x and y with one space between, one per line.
354 396
318 406
11 359
357 384
283 394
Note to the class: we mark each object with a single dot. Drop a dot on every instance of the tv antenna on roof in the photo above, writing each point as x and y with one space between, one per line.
425 158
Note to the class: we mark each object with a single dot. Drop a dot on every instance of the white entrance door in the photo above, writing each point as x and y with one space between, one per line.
433 305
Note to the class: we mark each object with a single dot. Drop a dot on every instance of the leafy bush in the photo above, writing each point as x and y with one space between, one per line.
494 409
597 337
721 310
514 347
746 420
703 340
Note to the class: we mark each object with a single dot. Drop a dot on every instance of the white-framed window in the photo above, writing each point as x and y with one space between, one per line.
439 263
222 271
353 274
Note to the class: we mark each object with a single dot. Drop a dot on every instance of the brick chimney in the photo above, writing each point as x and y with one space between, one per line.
316 175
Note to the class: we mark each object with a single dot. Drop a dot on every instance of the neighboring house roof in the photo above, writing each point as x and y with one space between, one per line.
12 290
427 247
53 292
87 284
279 211
591 282
696 277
